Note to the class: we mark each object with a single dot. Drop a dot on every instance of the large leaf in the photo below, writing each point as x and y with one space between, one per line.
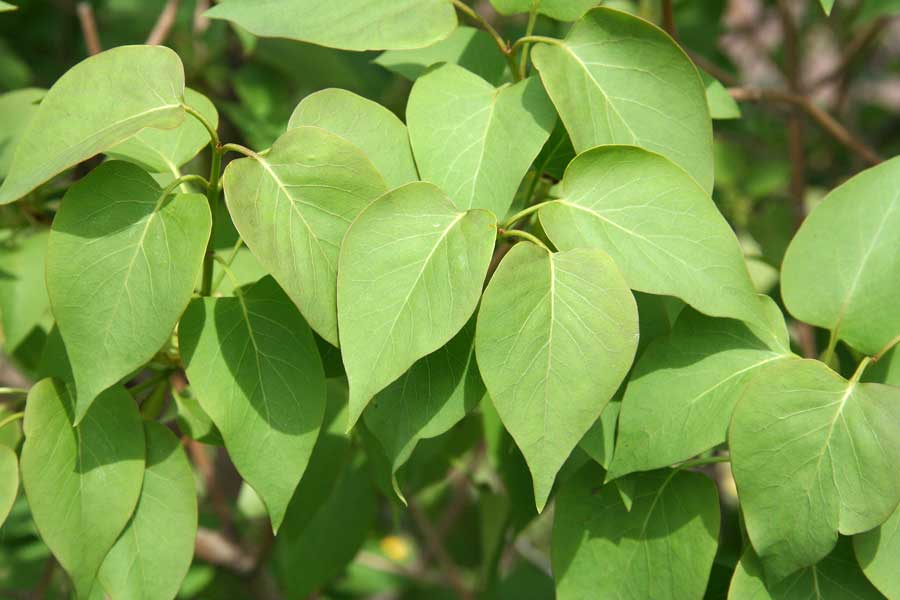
617 79
121 265
23 291
563 10
814 451
411 271
347 24
556 335
661 228
475 141
682 391
368 125
9 481
836 576
254 366
82 483
98 103
17 109
662 548
292 208
430 398
842 270
153 554
470 48
165 150
878 553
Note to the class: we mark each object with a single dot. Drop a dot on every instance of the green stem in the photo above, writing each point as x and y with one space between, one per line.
11 418
226 270
860 369
887 348
228 262
213 136
240 150
149 382
530 39
524 213
10 391
501 43
179 181
518 233
699 462
153 406
532 20
212 196
832 344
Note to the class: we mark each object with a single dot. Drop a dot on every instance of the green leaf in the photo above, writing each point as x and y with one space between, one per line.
17 108
617 79
82 483
292 208
562 10
411 272
475 141
556 335
23 291
467 47
599 441
153 554
878 553
5 7
827 5
661 228
193 420
9 481
348 24
165 150
372 128
430 398
721 105
682 391
121 265
662 548
254 366
840 270
810 449
836 576
98 103
886 370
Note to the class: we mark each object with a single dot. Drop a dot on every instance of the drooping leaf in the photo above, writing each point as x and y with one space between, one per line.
661 228
82 482
411 271
98 103
292 208
9 481
23 291
256 371
368 125
5 7
662 548
17 108
832 446
562 10
682 391
475 141
721 105
617 79
556 335
841 270
430 398
153 554
122 260
827 5
470 48
835 576
348 24
878 553
165 150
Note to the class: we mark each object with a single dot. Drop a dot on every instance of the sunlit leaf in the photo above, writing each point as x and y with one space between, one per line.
721 105
9 481
23 290
17 108
563 10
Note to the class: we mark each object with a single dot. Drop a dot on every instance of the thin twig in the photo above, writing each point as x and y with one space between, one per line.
164 23
502 44
88 27
207 471
668 19
862 40
214 548
449 570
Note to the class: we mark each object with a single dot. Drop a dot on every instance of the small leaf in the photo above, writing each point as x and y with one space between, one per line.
840 271
153 554
9 481
98 103
556 335
121 265
254 366
6 7
165 150
878 553
721 105
617 79
661 228
662 548
23 290
832 446
411 272
836 576
827 5
430 398
475 141
372 128
561 10
292 208
347 24
470 48
82 483
17 108
682 391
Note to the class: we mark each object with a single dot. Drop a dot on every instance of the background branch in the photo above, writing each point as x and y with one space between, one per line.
88 23
164 23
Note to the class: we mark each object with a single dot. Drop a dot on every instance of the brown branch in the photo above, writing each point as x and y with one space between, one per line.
88 27
214 548
668 19
201 22
207 471
449 570
858 44
164 23
713 69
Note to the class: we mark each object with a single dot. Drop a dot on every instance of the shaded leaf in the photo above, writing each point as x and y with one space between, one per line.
5 7
9 481
721 105
23 290
193 420
878 553
17 108
563 10
599 441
